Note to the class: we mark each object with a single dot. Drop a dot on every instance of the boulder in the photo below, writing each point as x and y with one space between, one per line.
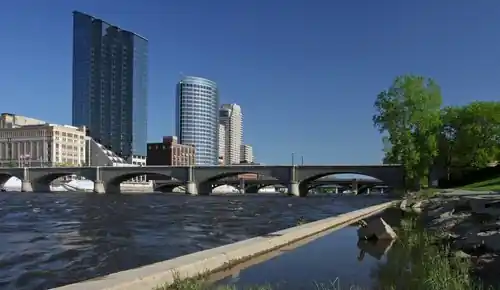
377 228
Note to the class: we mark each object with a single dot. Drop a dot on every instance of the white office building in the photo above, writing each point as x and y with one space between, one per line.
231 117
222 143
246 154
42 145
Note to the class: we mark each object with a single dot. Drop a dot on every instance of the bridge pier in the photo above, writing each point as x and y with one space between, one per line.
26 186
99 187
355 187
242 186
192 188
293 188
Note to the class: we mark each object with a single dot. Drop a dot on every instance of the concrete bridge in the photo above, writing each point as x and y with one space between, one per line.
254 185
199 179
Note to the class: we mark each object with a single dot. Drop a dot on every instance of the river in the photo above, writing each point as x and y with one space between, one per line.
52 239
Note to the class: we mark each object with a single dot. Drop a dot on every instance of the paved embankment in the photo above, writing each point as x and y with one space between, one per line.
148 277
469 222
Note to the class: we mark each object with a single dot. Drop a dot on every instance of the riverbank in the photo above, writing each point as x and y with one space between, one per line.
416 260
466 222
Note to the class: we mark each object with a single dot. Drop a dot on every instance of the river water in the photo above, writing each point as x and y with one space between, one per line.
52 239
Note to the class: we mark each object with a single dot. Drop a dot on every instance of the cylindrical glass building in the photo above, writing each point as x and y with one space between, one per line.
197 117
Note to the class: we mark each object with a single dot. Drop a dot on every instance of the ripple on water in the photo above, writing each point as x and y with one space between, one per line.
53 239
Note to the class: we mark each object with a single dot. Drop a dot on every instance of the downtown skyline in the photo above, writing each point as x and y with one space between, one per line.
110 79
276 64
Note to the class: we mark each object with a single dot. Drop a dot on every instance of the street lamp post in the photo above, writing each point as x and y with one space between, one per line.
293 158
302 160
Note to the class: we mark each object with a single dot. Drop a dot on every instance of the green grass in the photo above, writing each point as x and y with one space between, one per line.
417 261
485 185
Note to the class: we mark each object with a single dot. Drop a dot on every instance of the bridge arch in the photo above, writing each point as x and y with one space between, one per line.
4 177
41 179
112 177
209 175
113 184
392 176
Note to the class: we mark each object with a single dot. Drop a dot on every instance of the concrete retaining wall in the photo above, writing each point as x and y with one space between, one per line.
151 276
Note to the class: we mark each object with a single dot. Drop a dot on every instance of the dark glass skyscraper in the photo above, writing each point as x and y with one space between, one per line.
110 78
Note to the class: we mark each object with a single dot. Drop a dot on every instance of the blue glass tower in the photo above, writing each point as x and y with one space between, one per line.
197 118
110 79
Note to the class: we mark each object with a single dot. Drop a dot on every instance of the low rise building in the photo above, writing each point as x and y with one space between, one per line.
171 152
42 145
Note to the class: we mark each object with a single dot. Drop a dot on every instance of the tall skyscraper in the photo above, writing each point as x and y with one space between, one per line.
197 118
110 79
231 117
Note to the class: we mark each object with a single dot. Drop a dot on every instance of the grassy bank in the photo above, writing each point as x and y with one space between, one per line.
485 185
417 261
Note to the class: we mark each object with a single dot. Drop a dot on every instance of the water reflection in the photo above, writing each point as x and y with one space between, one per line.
377 249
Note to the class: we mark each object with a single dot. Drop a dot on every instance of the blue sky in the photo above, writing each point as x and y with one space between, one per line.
306 73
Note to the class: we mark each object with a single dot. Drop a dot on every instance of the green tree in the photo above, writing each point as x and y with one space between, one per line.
470 135
408 113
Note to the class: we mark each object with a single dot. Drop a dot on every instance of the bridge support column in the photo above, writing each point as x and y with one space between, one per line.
336 190
293 188
242 186
368 190
355 187
26 186
99 187
26 182
191 188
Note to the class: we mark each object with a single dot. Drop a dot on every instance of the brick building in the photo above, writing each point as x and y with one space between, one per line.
171 152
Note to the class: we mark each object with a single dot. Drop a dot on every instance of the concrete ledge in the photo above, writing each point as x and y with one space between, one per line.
158 274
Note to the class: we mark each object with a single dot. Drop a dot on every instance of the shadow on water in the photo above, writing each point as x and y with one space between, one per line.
48 240
337 256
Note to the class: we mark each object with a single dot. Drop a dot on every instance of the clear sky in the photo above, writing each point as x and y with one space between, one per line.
306 72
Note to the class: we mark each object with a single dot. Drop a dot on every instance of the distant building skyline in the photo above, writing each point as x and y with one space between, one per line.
110 85
231 116
246 153
197 117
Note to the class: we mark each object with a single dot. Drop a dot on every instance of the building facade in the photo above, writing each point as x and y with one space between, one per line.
43 145
231 117
171 152
197 120
246 154
222 144
110 78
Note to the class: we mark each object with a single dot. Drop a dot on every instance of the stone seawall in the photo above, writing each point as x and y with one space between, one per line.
151 276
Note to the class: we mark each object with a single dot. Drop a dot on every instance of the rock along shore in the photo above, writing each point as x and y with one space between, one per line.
469 223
